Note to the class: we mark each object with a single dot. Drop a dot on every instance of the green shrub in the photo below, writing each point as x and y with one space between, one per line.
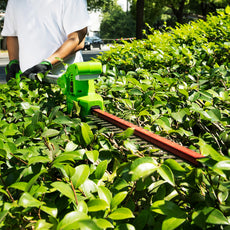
61 172
174 83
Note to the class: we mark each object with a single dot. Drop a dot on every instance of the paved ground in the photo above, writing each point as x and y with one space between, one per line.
87 55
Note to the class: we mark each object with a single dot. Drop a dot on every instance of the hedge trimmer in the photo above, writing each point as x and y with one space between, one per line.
77 83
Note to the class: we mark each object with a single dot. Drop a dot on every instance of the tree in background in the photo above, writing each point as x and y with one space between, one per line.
102 5
3 4
117 24
153 12
156 12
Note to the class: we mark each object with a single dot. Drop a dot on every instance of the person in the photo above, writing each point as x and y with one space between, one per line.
41 33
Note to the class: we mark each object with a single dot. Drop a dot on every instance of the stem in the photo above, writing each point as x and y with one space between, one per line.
7 190
19 159
47 144
74 192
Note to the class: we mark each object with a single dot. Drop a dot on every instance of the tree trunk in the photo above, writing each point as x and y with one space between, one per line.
179 12
139 18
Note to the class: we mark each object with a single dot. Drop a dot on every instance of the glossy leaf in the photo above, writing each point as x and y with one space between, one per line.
172 223
96 205
38 159
71 219
105 194
50 133
92 155
217 217
167 208
117 199
103 223
223 165
81 174
142 168
86 133
100 170
42 224
64 189
166 174
26 200
121 214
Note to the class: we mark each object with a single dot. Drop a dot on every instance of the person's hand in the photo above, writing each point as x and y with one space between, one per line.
12 69
44 67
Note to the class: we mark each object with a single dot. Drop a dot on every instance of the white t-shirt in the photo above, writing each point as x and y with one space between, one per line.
42 26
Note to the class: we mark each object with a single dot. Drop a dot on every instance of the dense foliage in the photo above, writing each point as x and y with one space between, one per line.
59 171
174 83
116 24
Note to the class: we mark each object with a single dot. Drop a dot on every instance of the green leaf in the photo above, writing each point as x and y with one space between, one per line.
118 198
4 192
121 214
88 224
3 153
135 92
208 150
215 115
70 147
217 217
125 227
81 174
100 170
53 113
130 146
103 223
67 170
82 206
38 159
25 105
164 123
172 223
64 189
143 167
19 185
92 155
34 179
26 200
89 187
167 208
42 225
87 133
222 165
97 205
179 116
166 174
105 194
52 211
50 133
3 214
69 156
70 221
10 130
125 134
174 165
63 120
144 113
77 108
227 10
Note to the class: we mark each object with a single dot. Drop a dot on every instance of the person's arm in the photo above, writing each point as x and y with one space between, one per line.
12 68
13 48
74 42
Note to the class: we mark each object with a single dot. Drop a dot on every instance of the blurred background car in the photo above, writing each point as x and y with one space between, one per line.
93 42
